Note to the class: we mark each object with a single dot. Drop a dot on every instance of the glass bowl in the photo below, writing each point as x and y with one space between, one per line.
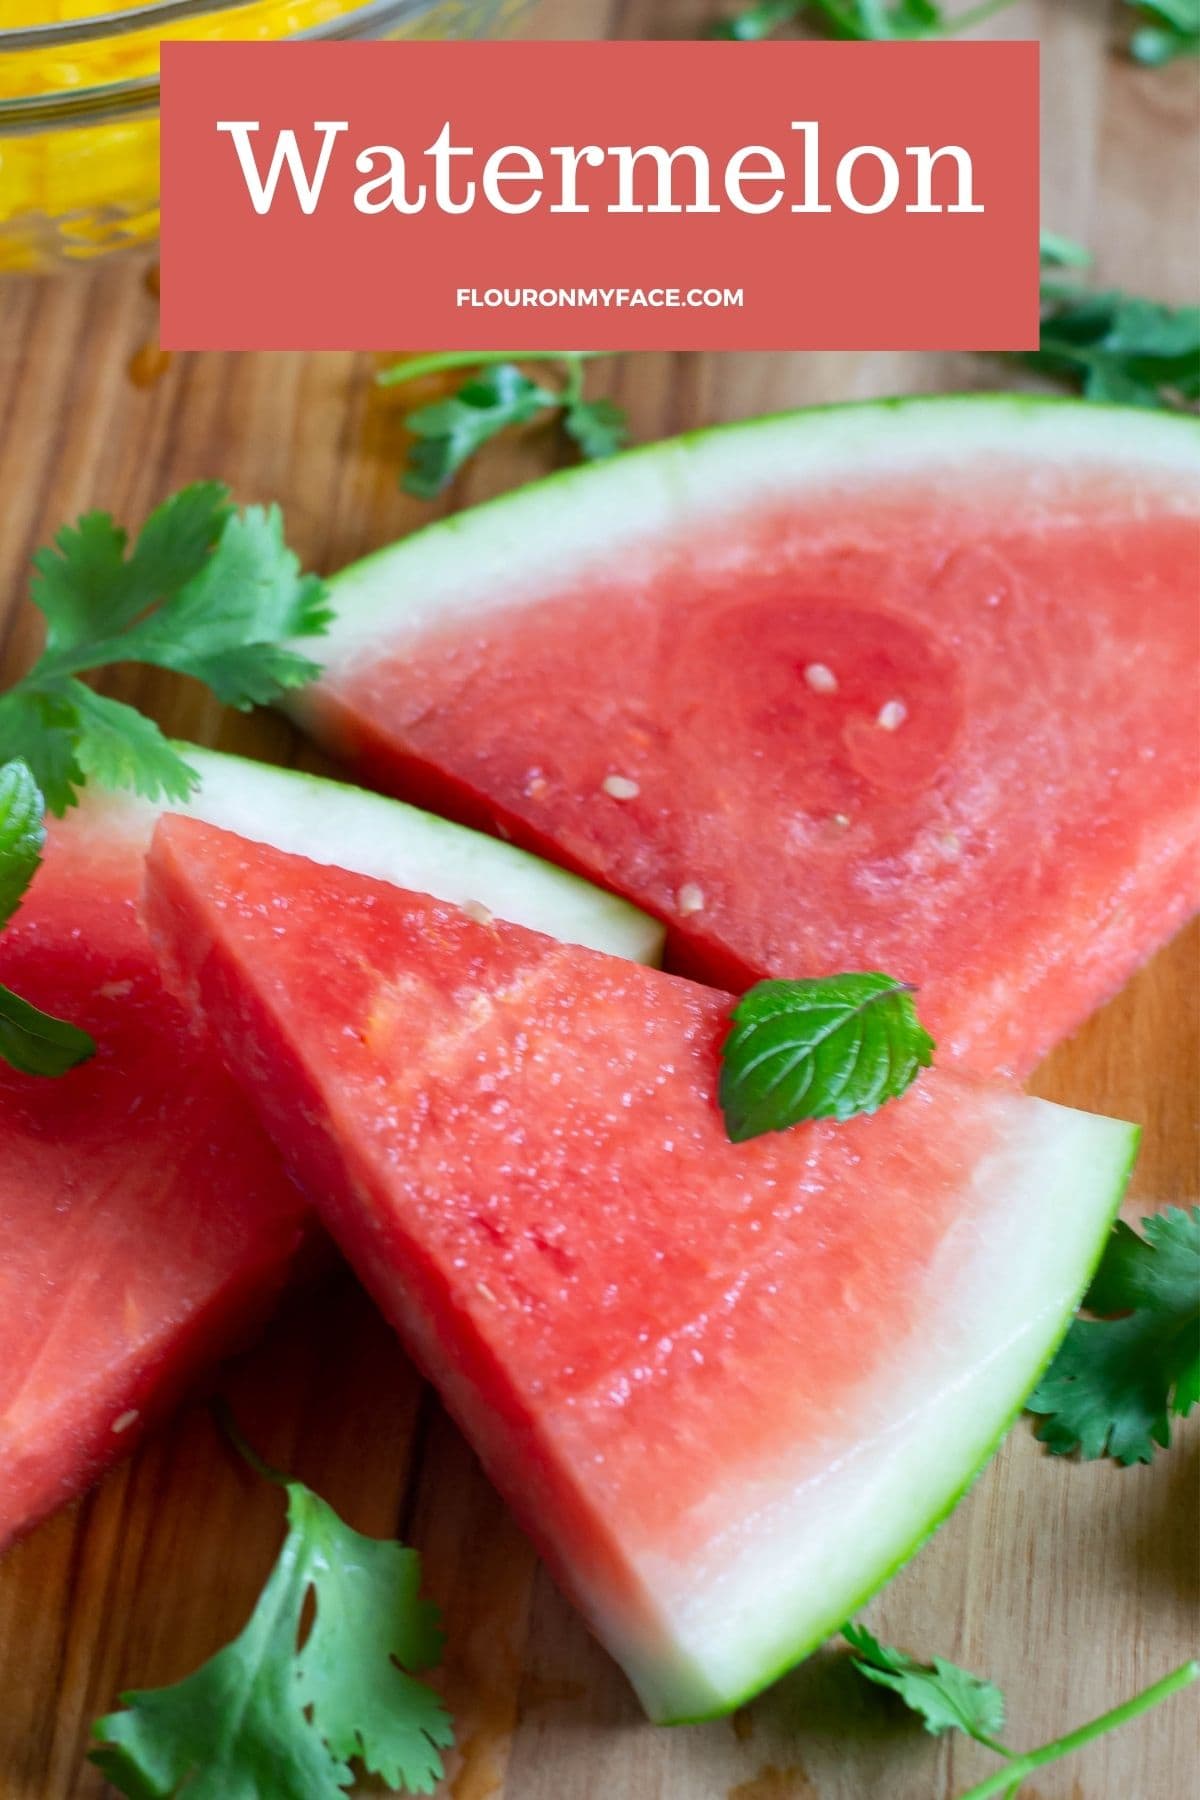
79 102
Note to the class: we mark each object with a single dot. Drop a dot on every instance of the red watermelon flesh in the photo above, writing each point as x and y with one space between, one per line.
145 1221
726 1388
146 1224
907 687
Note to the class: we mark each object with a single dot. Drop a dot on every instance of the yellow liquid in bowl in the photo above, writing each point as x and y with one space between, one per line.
78 190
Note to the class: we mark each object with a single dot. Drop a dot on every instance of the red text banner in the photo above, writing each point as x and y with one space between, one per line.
599 196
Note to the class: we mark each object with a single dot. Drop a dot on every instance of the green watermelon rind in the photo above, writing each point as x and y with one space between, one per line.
250 797
813 1639
578 513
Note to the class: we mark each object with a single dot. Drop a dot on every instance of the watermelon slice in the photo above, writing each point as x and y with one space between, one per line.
145 1221
904 685
726 1388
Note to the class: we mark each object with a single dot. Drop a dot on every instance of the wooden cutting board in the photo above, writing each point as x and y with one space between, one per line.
1070 1586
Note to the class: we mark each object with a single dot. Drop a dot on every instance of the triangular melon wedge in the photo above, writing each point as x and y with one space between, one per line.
905 685
146 1223
727 1389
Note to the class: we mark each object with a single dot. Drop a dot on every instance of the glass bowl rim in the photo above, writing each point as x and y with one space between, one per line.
87 105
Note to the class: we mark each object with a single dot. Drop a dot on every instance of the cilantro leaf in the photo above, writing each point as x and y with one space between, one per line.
597 426
1113 346
265 1719
121 748
205 591
42 725
370 1627
1116 1382
88 589
1170 28
819 1049
496 394
449 432
946 1697
30 1040
862 21
758 21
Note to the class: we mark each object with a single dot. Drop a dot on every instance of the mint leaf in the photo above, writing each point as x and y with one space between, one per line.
820 1049
1116 1382
946 1697
22 834
30 1040
36 1043
265 1719
205 591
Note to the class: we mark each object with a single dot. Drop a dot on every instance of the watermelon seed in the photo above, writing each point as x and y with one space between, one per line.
125 1420
892 715
690 898
475 909
821 679
620 787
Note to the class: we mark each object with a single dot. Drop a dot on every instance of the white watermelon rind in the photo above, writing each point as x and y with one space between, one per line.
1125 1140
569 524
334 822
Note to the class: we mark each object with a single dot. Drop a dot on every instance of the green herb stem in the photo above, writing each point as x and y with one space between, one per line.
414 367
573 377
1005 1780
223 1413
977 15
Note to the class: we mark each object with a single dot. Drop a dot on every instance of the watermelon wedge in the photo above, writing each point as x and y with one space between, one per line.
907 685
727 1389
145 1221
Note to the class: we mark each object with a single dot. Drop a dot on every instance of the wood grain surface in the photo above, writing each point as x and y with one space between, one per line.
1070 1586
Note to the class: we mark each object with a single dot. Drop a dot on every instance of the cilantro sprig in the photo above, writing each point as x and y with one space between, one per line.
280 1714
1120 1376
861 21
206 591
827 1048
32 1041
1164 29
1113 346
948 1698
495 394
